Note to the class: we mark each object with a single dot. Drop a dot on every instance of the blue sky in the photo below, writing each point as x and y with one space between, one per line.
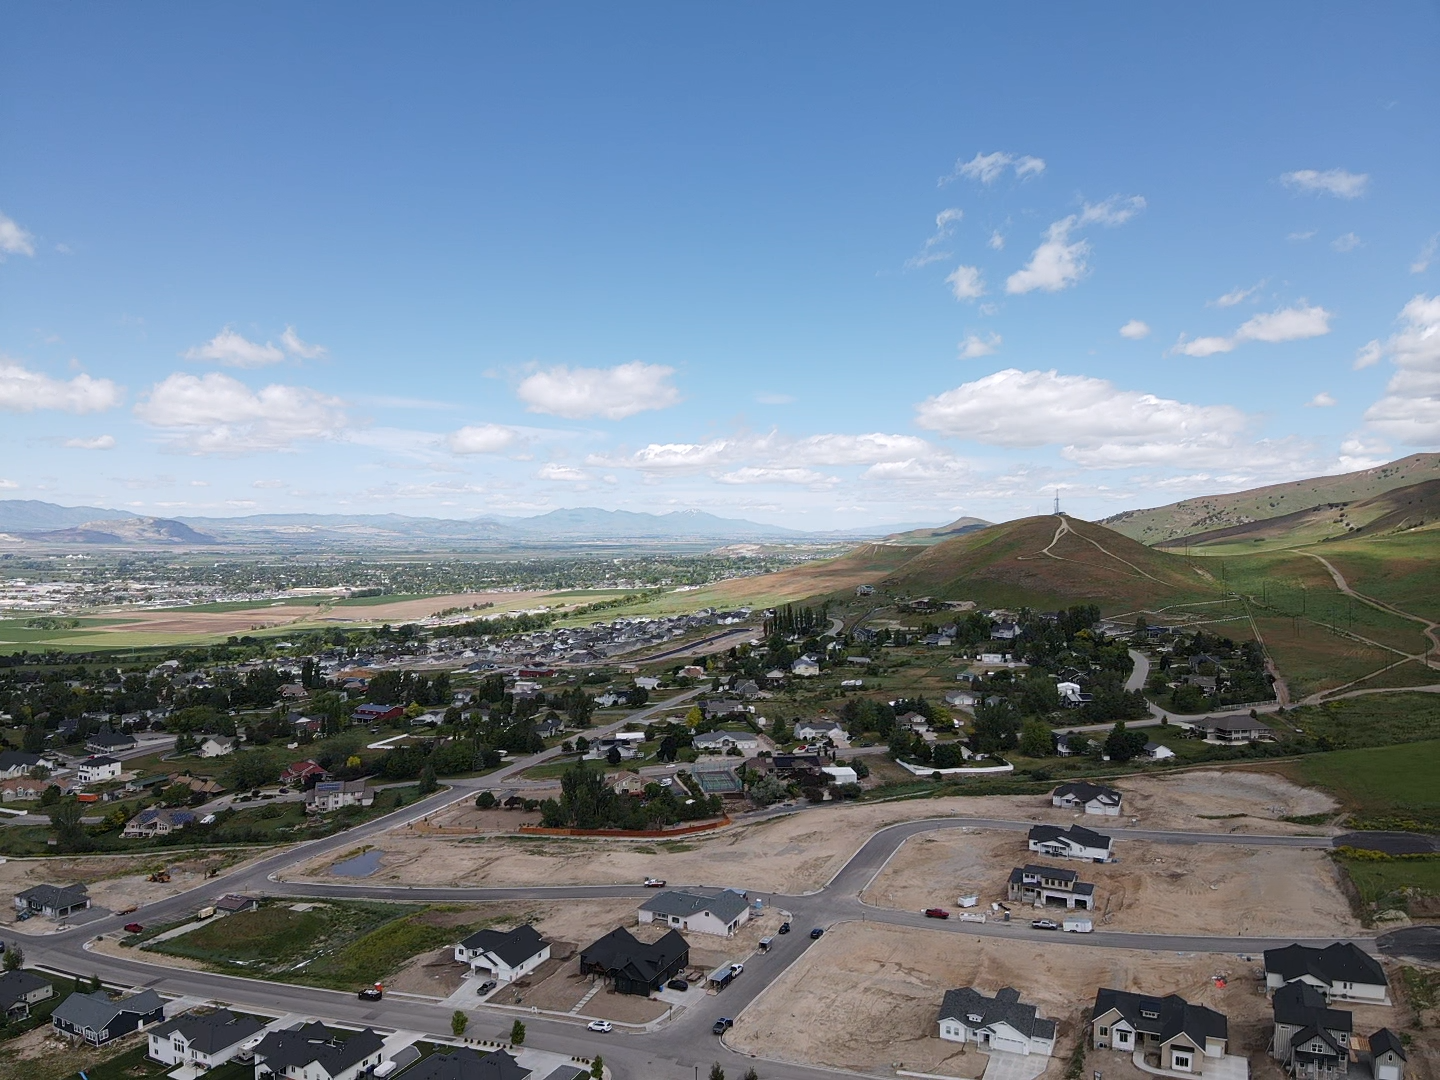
820 265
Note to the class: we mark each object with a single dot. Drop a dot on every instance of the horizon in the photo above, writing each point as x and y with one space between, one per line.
877 270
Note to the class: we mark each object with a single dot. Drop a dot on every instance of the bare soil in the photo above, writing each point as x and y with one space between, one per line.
1153 888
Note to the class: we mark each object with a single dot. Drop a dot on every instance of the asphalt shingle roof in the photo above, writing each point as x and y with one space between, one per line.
1301 1005
96 1010
1170 1016
512 946
210 1032
466 1064
315 1042
1005 1006
1341 962
16 984
724 905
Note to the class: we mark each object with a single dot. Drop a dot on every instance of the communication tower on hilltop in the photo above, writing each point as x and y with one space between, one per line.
1057 502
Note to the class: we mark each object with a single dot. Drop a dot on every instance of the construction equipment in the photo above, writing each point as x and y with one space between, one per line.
161 876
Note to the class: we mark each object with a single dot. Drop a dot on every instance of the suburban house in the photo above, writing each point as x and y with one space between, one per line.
841 774
1387 1056
314 1052
333 794
94 770
1185 1036
632 966
1092 798
1310 1039
1005 631
816 730
1342 972
377 714
718 742
297 773
506 954
806 667
600 748
1072 843
202 1040
19 990
721 912
216 746
106 741
549 727
1228 730
999 1023
463 1063
722 707
158 821
98 1020
234 903
1156 752
17 763
22 789
626 783
1046 885
56 901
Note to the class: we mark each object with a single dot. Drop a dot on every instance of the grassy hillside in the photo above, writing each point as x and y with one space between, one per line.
1024 562
1211 512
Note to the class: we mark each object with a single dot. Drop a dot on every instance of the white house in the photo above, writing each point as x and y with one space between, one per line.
334 794
808 730
1342 972
94 770
1155 752
841 774
1092 798
314 1052
717 742
506 954
1069 692
216 746
806 667
202 1040
995 1023
1072 843
720 913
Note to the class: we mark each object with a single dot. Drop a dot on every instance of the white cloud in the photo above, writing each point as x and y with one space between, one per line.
611 393
1097 424
1284 324
1134 330
267 485
1322 400
966 283
1368 355
987 168
482 439
1410 410
99 442
14 240
996 241
1426 256
22 390
673 457
944 229
771 451
1237 296
234 350
8 485
1337 182
216 414
565 473
1346 242
1305 235
767 398
751 474
852 449
974 346
295 347
1059 261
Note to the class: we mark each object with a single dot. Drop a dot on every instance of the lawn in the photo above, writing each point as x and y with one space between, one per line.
1373 720
1382 786
1391 883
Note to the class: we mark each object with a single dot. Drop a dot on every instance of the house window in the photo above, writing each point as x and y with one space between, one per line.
1104 1032
1180 1061
1122 1037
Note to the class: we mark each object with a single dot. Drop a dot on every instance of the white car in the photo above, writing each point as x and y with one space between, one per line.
666 781
601 1026
736 969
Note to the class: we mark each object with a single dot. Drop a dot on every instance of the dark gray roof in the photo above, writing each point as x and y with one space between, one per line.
1331 1048
1053 873
100 759
512 946
22 759
621 951
1005 1006
1086 792
568 1072
1300 1005
209 1032
55 896
97 1011
111 740
1386 1041
16 984
724 905
466 1064
1164 1017
1075 833
1341 962
315 1042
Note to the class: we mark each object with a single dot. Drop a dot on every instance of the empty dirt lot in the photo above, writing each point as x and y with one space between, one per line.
1153 888
887 983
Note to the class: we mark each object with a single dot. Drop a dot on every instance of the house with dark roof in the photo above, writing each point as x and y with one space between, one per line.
1072 843
97 768
1301 1014
158 821
202 1040
720 912
632 966
99 1019
56 901
1232 730
1342 972
234 903
314 1052
1001 1022
1387 1056
1186 1037
506 954
1046 886
1092 798
376 714
17 763
467 1064
19 990
106 741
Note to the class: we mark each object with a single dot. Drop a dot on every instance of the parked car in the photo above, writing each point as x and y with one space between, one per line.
722 1025
486 986
601 1026
818 932
133 928
654 883
370 993
784 928
678 984
666 781
1044 924
736 969
936 913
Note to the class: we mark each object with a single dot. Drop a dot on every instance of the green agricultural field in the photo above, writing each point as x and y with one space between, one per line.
1375 720
1382 786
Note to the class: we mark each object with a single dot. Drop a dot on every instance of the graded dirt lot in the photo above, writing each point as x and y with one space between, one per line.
887 984
802 851
1153 888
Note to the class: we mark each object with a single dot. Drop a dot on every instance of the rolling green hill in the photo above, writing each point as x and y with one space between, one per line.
934 536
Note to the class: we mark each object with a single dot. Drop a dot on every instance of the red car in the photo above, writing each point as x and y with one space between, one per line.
936 913
133 928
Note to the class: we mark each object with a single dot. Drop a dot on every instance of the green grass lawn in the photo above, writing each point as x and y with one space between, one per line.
1374 720
1387 882
1383 786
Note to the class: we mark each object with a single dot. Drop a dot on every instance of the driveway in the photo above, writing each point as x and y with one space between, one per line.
1003 1065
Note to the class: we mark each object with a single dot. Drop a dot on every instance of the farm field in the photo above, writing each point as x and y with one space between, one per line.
1382 781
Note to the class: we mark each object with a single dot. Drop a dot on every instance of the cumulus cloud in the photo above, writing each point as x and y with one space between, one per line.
234 350
482 439
1096 423
1284 324
1368 355
23 390
1426 256
852 449
612 393
751 474
996 241
966 283
1060 261
1134 330
1236 296
974 346
99 442
769 451
1345 242
14 240
1337 182
303 349
216 414
1305 234
552 470
987 168
944 229
1322 400
1410 410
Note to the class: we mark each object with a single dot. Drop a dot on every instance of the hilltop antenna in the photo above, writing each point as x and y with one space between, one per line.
1057 502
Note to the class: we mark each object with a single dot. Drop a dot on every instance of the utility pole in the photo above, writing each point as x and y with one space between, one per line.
1057 502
